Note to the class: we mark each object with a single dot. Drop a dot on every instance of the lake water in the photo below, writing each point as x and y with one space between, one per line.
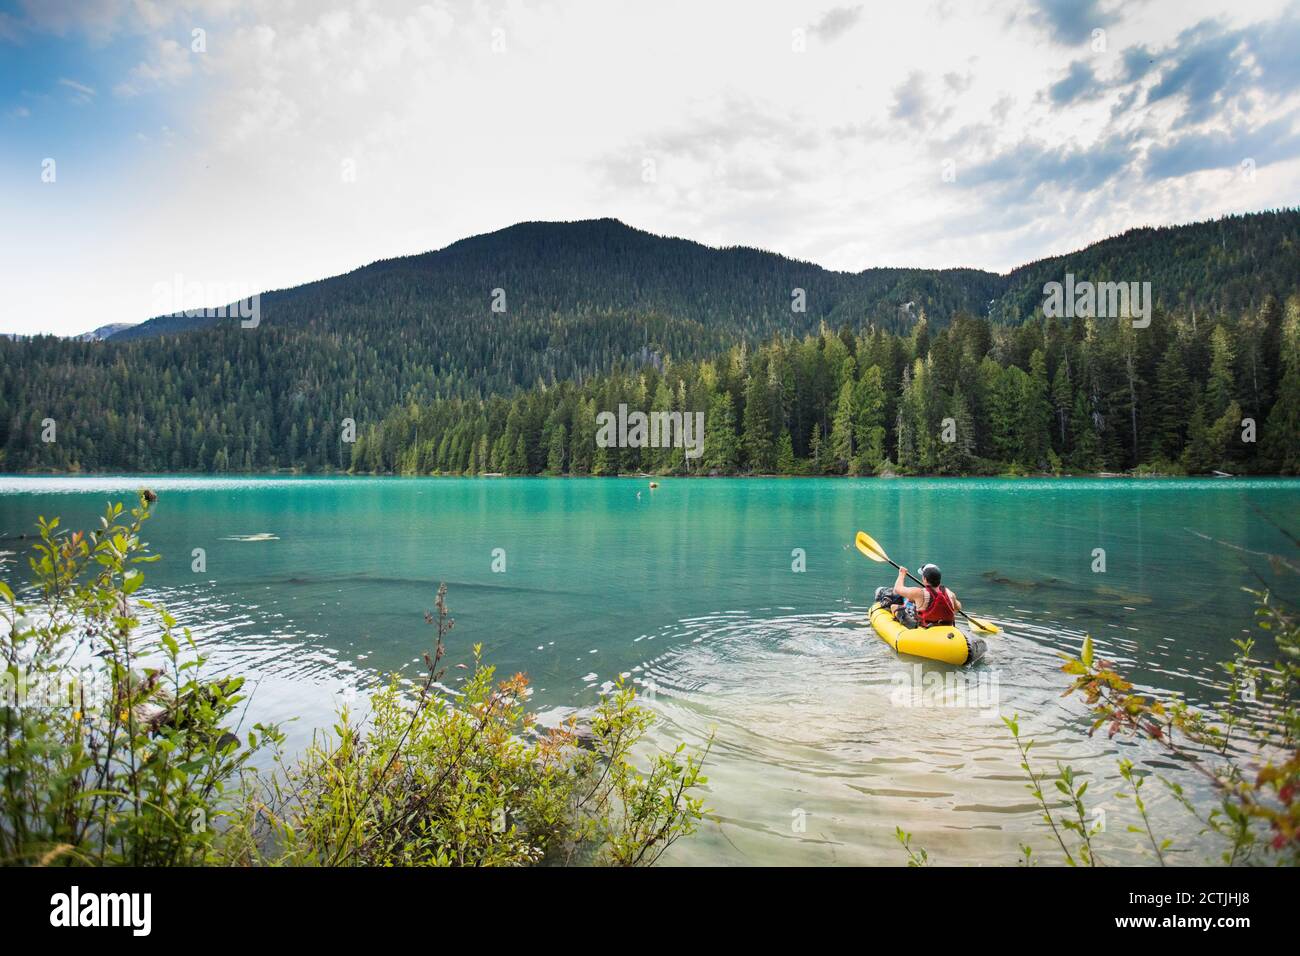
689 588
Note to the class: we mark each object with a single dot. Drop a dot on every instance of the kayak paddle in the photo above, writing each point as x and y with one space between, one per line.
868 546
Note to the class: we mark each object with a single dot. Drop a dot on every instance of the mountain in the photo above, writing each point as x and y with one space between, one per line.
105 331
1217 267
604 267
579 299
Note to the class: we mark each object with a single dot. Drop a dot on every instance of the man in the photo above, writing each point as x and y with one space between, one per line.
926 606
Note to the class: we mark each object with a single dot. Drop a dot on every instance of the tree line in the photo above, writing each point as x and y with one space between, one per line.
1184 395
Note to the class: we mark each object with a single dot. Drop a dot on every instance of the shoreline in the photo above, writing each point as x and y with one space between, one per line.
1009 476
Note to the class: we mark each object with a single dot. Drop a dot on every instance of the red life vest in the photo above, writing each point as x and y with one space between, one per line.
939 610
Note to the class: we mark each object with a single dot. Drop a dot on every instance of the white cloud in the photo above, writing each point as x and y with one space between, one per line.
78 92
169 64
836 154
835 22
98 20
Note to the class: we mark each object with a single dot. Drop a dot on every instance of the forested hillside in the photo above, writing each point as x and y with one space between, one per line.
1220 267
598 268
580 300
1082 396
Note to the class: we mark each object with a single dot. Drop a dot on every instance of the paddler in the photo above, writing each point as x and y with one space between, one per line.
929 606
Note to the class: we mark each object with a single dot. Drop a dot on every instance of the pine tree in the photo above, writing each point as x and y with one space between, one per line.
517 458
930 404
1219 388
757 442
842 430
1170 412
920 344
1224 430
956 456
1281 438
869 423
1123 401
721 446
816 458
1254 359
1062 406
785 461
1006 419
906 429
1199 455
1086 454
659 460
583 444
555 460
604 461
1036 414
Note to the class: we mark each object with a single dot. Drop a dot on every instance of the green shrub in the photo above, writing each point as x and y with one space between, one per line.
1248 753
113 753
430 780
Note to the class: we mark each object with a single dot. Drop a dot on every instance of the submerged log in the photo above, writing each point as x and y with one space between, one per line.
156 708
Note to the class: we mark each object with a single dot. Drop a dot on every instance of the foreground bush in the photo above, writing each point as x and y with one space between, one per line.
469 780
115 753
1248 752
112 753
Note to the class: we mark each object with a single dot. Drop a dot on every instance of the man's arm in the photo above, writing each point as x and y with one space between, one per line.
902 590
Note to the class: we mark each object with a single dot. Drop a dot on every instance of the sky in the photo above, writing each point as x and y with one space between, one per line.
257 145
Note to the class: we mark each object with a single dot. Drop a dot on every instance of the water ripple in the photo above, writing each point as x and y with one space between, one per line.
821 749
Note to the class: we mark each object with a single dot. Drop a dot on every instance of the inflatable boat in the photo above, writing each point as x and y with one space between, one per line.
942 643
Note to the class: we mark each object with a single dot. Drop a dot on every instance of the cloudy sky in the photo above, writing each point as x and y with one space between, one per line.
268 143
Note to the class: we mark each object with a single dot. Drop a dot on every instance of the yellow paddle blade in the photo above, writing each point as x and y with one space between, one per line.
988 627
868 546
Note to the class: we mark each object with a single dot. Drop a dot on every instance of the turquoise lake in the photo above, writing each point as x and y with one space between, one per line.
316 588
